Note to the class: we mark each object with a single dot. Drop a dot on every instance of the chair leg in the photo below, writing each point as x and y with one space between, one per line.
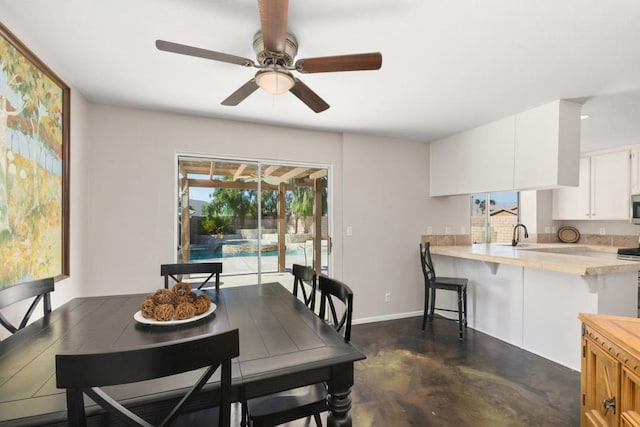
464 298
426 307
460 312
433 304
318 419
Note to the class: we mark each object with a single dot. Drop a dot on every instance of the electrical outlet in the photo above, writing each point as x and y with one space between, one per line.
447 230
602 230
429 230
387 297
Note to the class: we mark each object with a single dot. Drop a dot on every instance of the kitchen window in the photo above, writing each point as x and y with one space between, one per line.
493 216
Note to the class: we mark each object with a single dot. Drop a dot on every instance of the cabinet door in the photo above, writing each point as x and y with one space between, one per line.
630 398
635 171
574 202
610 186
601 387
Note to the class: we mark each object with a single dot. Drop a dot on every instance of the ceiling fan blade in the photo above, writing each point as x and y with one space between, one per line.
203 53
273 20
243 92
309 97
356 62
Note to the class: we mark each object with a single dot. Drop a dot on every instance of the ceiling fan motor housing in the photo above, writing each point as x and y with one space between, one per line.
283 59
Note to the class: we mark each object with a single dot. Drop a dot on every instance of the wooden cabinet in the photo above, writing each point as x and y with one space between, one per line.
610 371
603 192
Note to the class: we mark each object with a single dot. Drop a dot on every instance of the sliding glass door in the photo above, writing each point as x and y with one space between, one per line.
257 218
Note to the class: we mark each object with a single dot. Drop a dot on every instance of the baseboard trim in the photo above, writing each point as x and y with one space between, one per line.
386 317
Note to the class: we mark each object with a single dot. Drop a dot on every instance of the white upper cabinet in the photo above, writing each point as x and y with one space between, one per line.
547 146
536 149
575 202
603 192
635 171
473 161
610 185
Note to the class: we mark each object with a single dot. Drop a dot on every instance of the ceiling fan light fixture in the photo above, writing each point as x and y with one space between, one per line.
275 82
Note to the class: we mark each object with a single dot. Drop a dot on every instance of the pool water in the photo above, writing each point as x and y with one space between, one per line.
200 254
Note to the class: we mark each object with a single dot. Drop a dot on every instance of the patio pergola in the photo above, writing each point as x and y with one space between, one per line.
204 173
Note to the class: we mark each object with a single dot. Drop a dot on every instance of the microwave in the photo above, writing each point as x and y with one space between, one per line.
635 209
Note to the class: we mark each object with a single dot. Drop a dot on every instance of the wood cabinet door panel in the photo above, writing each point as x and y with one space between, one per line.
602 386
630 393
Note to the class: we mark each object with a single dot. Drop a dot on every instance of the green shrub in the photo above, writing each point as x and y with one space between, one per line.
217 225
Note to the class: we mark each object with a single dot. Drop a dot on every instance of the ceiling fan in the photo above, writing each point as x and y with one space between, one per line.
275 50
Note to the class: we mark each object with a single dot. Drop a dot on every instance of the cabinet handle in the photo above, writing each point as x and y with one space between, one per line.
609 404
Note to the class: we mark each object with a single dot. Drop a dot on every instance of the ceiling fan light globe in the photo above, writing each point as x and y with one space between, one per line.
275 82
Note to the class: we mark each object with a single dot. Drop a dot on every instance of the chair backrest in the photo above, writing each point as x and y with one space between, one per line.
175 272
305 276
85 373
427 264
38 289
330 290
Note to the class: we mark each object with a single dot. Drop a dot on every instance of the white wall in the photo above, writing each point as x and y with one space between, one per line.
132 176
386 202
379 185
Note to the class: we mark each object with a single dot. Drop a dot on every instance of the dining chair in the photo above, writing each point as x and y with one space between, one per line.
87 373
433 282
175 272
309 400
38 289
303 277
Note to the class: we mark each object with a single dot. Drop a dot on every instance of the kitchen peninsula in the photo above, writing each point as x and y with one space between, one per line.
530 295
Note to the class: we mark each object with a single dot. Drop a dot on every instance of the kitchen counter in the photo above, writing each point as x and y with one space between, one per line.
530 295
561 257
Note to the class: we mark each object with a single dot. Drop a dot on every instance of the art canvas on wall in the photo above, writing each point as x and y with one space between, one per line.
34 147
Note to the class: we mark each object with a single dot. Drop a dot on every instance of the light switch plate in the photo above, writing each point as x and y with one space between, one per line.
349 230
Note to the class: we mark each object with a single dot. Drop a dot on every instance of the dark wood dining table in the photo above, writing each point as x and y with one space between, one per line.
282 345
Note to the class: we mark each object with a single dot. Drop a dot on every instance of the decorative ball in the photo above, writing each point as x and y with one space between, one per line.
147 308
163 312
185 310
202 304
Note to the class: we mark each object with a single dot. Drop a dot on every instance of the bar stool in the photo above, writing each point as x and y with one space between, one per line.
433 282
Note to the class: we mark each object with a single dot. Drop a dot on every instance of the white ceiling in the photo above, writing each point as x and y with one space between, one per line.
448 65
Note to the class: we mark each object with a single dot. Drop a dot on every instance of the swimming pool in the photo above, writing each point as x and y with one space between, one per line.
201 253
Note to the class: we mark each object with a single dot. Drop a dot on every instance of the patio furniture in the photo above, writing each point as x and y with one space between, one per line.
175 272
87 373
38 289
309 400
433 282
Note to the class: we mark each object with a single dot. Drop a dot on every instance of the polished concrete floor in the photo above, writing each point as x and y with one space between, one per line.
413 379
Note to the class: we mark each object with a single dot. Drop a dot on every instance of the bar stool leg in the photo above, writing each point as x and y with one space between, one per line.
426 307
433 304
464 297
460 312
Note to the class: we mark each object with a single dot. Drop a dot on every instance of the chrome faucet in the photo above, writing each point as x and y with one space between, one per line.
514 241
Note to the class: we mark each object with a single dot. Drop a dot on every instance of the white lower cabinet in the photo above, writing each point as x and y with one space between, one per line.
603 192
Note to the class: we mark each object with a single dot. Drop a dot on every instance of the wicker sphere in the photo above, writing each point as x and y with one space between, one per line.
185 310
164 296
202 304
147 308
181 288
163 312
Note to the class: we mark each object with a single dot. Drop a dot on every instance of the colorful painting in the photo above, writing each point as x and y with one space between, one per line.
34 147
